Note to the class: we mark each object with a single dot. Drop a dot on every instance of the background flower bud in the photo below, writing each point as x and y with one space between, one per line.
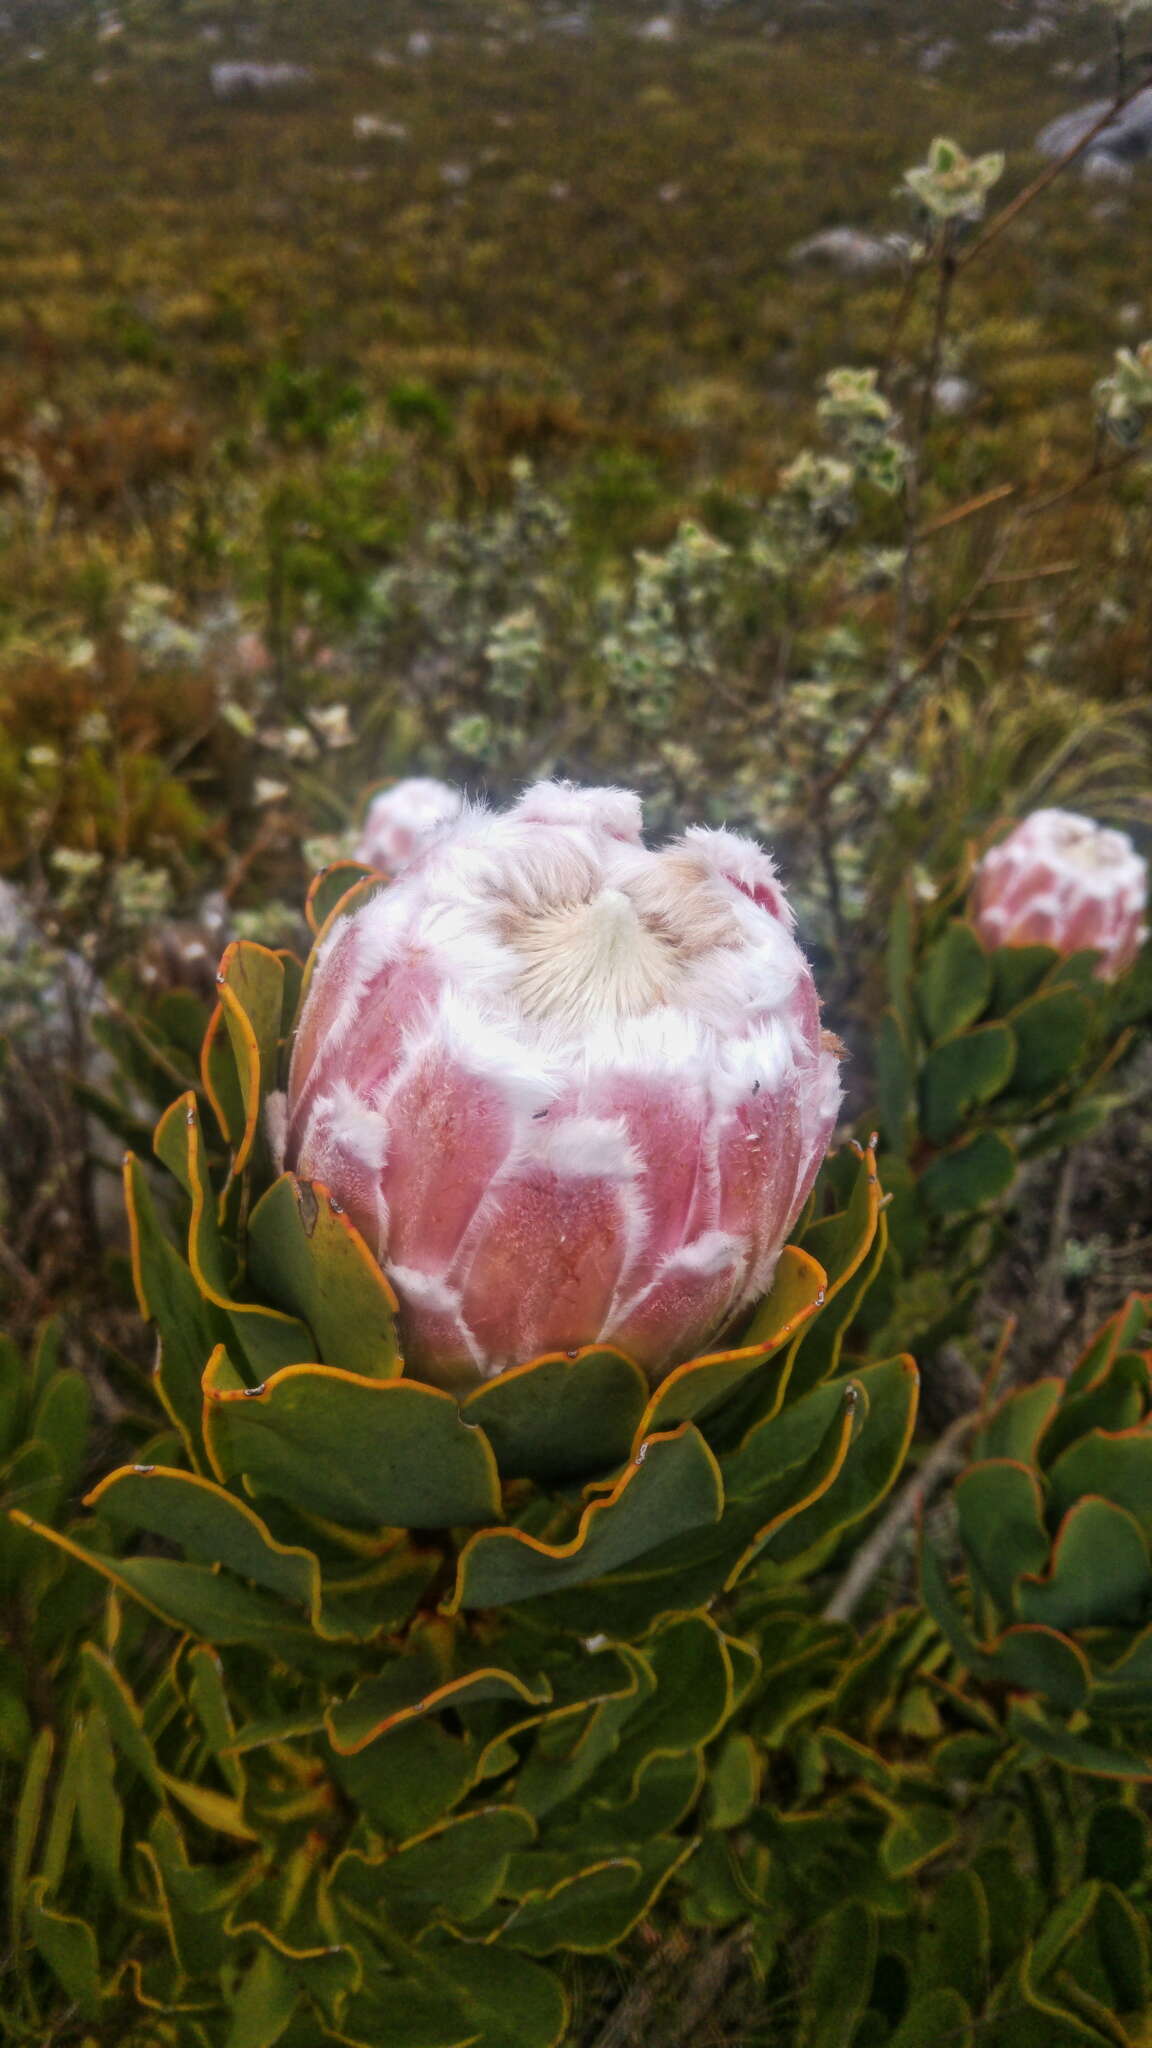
400 822
570 1089
1064 881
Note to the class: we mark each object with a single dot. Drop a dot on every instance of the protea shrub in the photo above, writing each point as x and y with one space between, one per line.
402 820
1061 880
1014 997
434 1645
568 1089
1054 1516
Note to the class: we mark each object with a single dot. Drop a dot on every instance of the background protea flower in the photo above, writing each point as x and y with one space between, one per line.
570 1089
401 821
1064 881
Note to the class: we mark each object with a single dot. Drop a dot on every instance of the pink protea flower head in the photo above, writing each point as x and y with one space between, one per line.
402 821
1062 880
570 1089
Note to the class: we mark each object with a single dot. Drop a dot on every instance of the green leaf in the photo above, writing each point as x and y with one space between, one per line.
938 2018
372 1453
693 1696
1039 1660
188 1326
1052 1031
956 1953
1061 1929
62 1420
915 1833
413 1686
330 887
799 1288
194 1898
786 1476
782 1443
1076 1752
307 1257
1069 1127
507 2001
29 1812
403 2011
1117 1466
1012 1429
1115 1401
597 1908
1124 1328
268 1339
410 1778
1000 1517
955 982
1132 993
960 1074
703 1385
116 1702
264 2004
847 1245
899 951
663 1791
874 1459
563 1417
733 1782
671 1486
213 1527
894 1081
1116 1850
209 1525
839 1977
1100 1571
99 1812
216 1811
973 1173
68 1946
1122 1942
1018 972
193 1597
251 987
1125 1687
208 1699
942 1604
452 1872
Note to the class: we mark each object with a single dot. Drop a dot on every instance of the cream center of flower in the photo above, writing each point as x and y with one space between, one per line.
588 961
1091 851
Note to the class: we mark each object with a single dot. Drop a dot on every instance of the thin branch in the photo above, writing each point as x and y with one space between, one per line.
1033 575
1096 472
703 1989
623 2023
1016 206
944 1458
902 685
966 511
1049 1293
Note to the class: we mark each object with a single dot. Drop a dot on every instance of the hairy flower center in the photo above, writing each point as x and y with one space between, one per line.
593 960
1089 850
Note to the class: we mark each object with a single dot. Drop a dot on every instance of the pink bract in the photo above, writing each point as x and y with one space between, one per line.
402 821
569 1089
1061 880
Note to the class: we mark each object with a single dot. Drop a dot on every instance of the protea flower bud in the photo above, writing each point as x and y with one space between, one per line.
401 821
570 1089
1061 880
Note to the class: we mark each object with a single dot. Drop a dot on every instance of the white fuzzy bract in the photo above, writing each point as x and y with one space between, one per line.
571 1090
403 820
1064 881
